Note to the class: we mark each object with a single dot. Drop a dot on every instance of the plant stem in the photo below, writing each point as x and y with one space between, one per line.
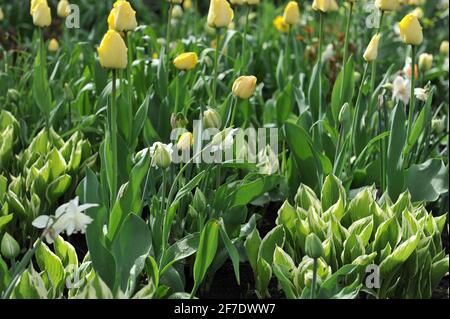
345 57
113 136
69 104
244 38
129 86
169 21
412 98
320 66
313 285
374 63
358 102
287 54
216 66
233 112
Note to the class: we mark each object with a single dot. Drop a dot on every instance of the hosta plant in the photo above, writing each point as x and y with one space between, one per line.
40 176
403 239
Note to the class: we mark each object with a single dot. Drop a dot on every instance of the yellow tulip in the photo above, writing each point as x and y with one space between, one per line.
53 45
2 16
425 61
40 11
185 141
280 24
238 2
291 13
220 14
411 30
325 5
112 51
122 17
186 61
252 2
444 48
187 4
386 5
371 52
63 8
244 87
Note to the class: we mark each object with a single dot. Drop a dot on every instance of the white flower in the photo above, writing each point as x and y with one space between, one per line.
421 94
224 140
68 217
328 53
446 64
268 161
161 154
401 90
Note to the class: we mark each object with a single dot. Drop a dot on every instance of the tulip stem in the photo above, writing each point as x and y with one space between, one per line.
169 21
233 112
244 39
314 279
216 66
345 57
287 54
113 137
129 86
357 114
374 63
177 92
411 98
319 65
43 63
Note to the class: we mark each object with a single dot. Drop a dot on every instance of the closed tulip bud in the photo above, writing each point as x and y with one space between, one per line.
212 119
187 4
371 52
313 246
113 51
161 155
53 45
425 61
444 48
244 87
386 5
13 95
9 247
122 17
63 8
291 14
186 61
40 11
411 30
325 5
177 12
438 125
220 14
185 141
344 114
2 15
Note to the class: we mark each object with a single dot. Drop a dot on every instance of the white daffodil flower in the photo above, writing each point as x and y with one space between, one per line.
69 217
421 94
401 90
